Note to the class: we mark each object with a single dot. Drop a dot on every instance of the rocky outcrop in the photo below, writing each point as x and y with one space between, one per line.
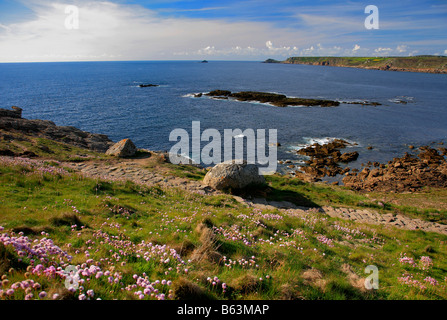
408 173
324 159
428 64
233 175
278 100
16 112
148 85
11 121
122 149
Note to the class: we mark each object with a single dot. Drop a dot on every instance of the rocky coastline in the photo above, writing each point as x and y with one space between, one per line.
409 173
11 122
424 64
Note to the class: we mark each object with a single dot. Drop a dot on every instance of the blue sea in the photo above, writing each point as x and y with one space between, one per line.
104 97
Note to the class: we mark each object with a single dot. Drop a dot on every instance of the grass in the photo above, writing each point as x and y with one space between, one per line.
20 143
409 63
197 242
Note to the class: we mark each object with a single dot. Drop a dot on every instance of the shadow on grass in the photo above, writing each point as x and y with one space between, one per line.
274 193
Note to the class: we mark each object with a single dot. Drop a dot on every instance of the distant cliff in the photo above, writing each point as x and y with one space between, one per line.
429 64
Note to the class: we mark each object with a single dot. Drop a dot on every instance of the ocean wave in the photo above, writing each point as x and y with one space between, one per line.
402 99
309 141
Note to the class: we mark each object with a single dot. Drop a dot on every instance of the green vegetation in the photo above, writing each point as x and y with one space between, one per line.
417 63
14 143
132 241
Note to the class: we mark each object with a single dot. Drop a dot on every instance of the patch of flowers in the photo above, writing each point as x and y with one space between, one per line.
34 165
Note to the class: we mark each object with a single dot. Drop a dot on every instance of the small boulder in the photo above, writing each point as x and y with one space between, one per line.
123 148
233 174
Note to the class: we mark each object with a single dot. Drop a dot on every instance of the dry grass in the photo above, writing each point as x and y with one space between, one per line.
207 251
355 281
186 290
314 278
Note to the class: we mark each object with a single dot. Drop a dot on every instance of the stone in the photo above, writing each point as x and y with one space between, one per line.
16 112
233 174
122 149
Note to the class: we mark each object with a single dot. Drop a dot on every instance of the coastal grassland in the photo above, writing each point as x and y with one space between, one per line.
421 63
429 204
17 143
131 241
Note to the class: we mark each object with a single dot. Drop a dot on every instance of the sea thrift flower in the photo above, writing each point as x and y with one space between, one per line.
431 281
426 262
42 294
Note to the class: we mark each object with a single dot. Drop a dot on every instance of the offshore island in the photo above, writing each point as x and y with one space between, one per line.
426 63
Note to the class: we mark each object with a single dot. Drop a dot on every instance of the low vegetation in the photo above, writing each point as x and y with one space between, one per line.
437 64
132 241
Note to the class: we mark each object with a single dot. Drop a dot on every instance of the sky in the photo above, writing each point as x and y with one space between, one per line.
108 30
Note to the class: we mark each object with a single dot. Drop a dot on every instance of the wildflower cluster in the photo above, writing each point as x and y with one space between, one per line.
34 165
43 250
245 264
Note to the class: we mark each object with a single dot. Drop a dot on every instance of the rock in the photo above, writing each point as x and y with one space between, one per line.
16 112
278 100
233 175
407 173
324 159
122 149
349 156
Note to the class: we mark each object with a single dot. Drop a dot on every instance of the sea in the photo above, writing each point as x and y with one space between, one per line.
105 97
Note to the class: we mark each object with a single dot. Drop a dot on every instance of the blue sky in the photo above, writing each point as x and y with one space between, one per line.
36 30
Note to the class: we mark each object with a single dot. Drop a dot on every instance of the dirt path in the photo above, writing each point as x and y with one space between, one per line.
134 171
362 216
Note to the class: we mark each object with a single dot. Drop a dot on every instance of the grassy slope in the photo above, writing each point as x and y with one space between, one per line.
418 62
295 256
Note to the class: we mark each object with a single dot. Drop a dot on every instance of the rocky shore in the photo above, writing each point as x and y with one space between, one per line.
409 173
325 160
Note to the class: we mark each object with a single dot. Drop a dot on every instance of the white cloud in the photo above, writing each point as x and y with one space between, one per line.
117 31
131 32
402 48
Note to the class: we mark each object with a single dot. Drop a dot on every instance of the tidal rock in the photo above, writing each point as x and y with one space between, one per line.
407 173
233 175
148 85
122 149
278 100
349 156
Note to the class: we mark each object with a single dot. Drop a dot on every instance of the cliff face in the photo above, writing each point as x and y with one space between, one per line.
427 64
12 121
